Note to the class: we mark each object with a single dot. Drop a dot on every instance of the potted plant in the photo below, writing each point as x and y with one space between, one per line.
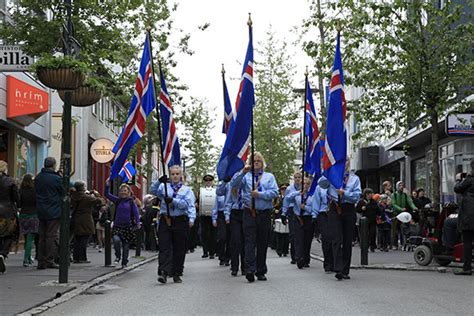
61 73
89 93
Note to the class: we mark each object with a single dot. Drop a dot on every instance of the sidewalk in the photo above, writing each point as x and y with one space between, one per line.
391 260
22 288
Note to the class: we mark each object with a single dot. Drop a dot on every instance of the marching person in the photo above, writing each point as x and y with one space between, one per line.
281 231
208 231
234 210
341 220
320 207
177 215
221 221
292 188
304 218
256 221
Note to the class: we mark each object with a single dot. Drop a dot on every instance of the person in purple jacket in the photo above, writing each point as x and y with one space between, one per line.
126 221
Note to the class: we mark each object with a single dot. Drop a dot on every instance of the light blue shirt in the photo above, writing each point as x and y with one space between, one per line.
219 204
352 190
232 202
267 189
320 200
183 202
291 189
295 198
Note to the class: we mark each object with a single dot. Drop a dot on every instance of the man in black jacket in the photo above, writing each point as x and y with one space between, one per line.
465 187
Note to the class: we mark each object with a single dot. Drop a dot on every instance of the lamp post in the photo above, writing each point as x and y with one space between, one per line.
68 49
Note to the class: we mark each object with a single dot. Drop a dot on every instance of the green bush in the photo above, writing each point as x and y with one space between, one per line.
51 62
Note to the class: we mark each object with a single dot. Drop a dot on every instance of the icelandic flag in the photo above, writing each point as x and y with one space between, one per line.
335 147
314 184
171 152
127 171
143 102
313 151
227 109
235 151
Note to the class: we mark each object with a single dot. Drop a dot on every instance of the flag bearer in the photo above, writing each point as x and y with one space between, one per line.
295 187
222 223
320 206
177 215
256 221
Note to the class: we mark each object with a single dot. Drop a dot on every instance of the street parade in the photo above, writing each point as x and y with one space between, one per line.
351 195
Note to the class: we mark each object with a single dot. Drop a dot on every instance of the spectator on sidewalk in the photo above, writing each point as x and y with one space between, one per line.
387 188
82 203
401 202
384 221
126 220
421 201
149 220
49 195
28 217
8 209
465 187
104 215
369 208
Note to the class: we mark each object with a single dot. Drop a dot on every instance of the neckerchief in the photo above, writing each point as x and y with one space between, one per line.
258 178
176 187
346 179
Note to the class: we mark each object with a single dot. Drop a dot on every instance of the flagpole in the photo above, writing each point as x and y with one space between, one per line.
158 118
252 210
300 218
223 94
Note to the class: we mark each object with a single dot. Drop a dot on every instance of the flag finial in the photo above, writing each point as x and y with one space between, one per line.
306 71
338 27
223 70
148 28
249 23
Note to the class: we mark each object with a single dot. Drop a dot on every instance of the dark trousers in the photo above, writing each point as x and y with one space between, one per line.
326 241
48 241
237 250
291 228
303 237
450 232
223 238
80 248
172 245
121 248
467 238
5 245
208 235
282 243
342 230
396 233
193 236
384 237
256 235
372 235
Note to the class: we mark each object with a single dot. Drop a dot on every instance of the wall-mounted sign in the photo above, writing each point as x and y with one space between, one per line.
101 150
12 58
25 103
460 124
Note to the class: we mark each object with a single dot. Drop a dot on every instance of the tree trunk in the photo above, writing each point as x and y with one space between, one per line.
435 174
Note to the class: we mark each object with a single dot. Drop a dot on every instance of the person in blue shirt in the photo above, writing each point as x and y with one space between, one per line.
222 223
258 205
234 211
320 207
177 215
304 217
342 219
296 186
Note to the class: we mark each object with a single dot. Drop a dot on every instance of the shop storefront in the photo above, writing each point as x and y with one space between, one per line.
24 124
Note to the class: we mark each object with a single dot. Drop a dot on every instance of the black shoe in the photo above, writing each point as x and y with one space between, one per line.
250 277
227 263
163 278
463 272
285 255
233 273
279 254
191 250
300 264
205 255
211 257
293 262
339 276
261 277
221 263
243 272
346 277
177 279
2 264
306 265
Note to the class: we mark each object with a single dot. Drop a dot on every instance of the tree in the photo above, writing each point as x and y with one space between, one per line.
414 61
198 142
275 111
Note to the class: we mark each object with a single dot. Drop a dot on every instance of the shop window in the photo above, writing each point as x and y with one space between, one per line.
26 157
420 174
448 172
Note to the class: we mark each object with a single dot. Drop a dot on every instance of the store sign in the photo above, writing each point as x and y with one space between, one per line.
101 150
460 124
12 58
25 103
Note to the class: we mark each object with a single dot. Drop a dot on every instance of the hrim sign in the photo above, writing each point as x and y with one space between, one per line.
12 58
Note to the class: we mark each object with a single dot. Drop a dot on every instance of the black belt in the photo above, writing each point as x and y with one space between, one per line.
179 217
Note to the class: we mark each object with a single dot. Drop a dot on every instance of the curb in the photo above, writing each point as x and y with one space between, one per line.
396 267
82 288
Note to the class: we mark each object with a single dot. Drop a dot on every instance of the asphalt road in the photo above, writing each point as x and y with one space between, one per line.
209 289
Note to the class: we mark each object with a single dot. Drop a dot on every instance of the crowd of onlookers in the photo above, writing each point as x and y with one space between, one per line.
31 211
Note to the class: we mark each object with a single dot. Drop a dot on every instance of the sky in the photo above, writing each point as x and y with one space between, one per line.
225 42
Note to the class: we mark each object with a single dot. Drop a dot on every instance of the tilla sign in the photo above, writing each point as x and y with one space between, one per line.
101 150
12 58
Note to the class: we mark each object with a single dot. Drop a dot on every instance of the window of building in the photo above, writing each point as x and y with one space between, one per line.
101 110
95 108
107 112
